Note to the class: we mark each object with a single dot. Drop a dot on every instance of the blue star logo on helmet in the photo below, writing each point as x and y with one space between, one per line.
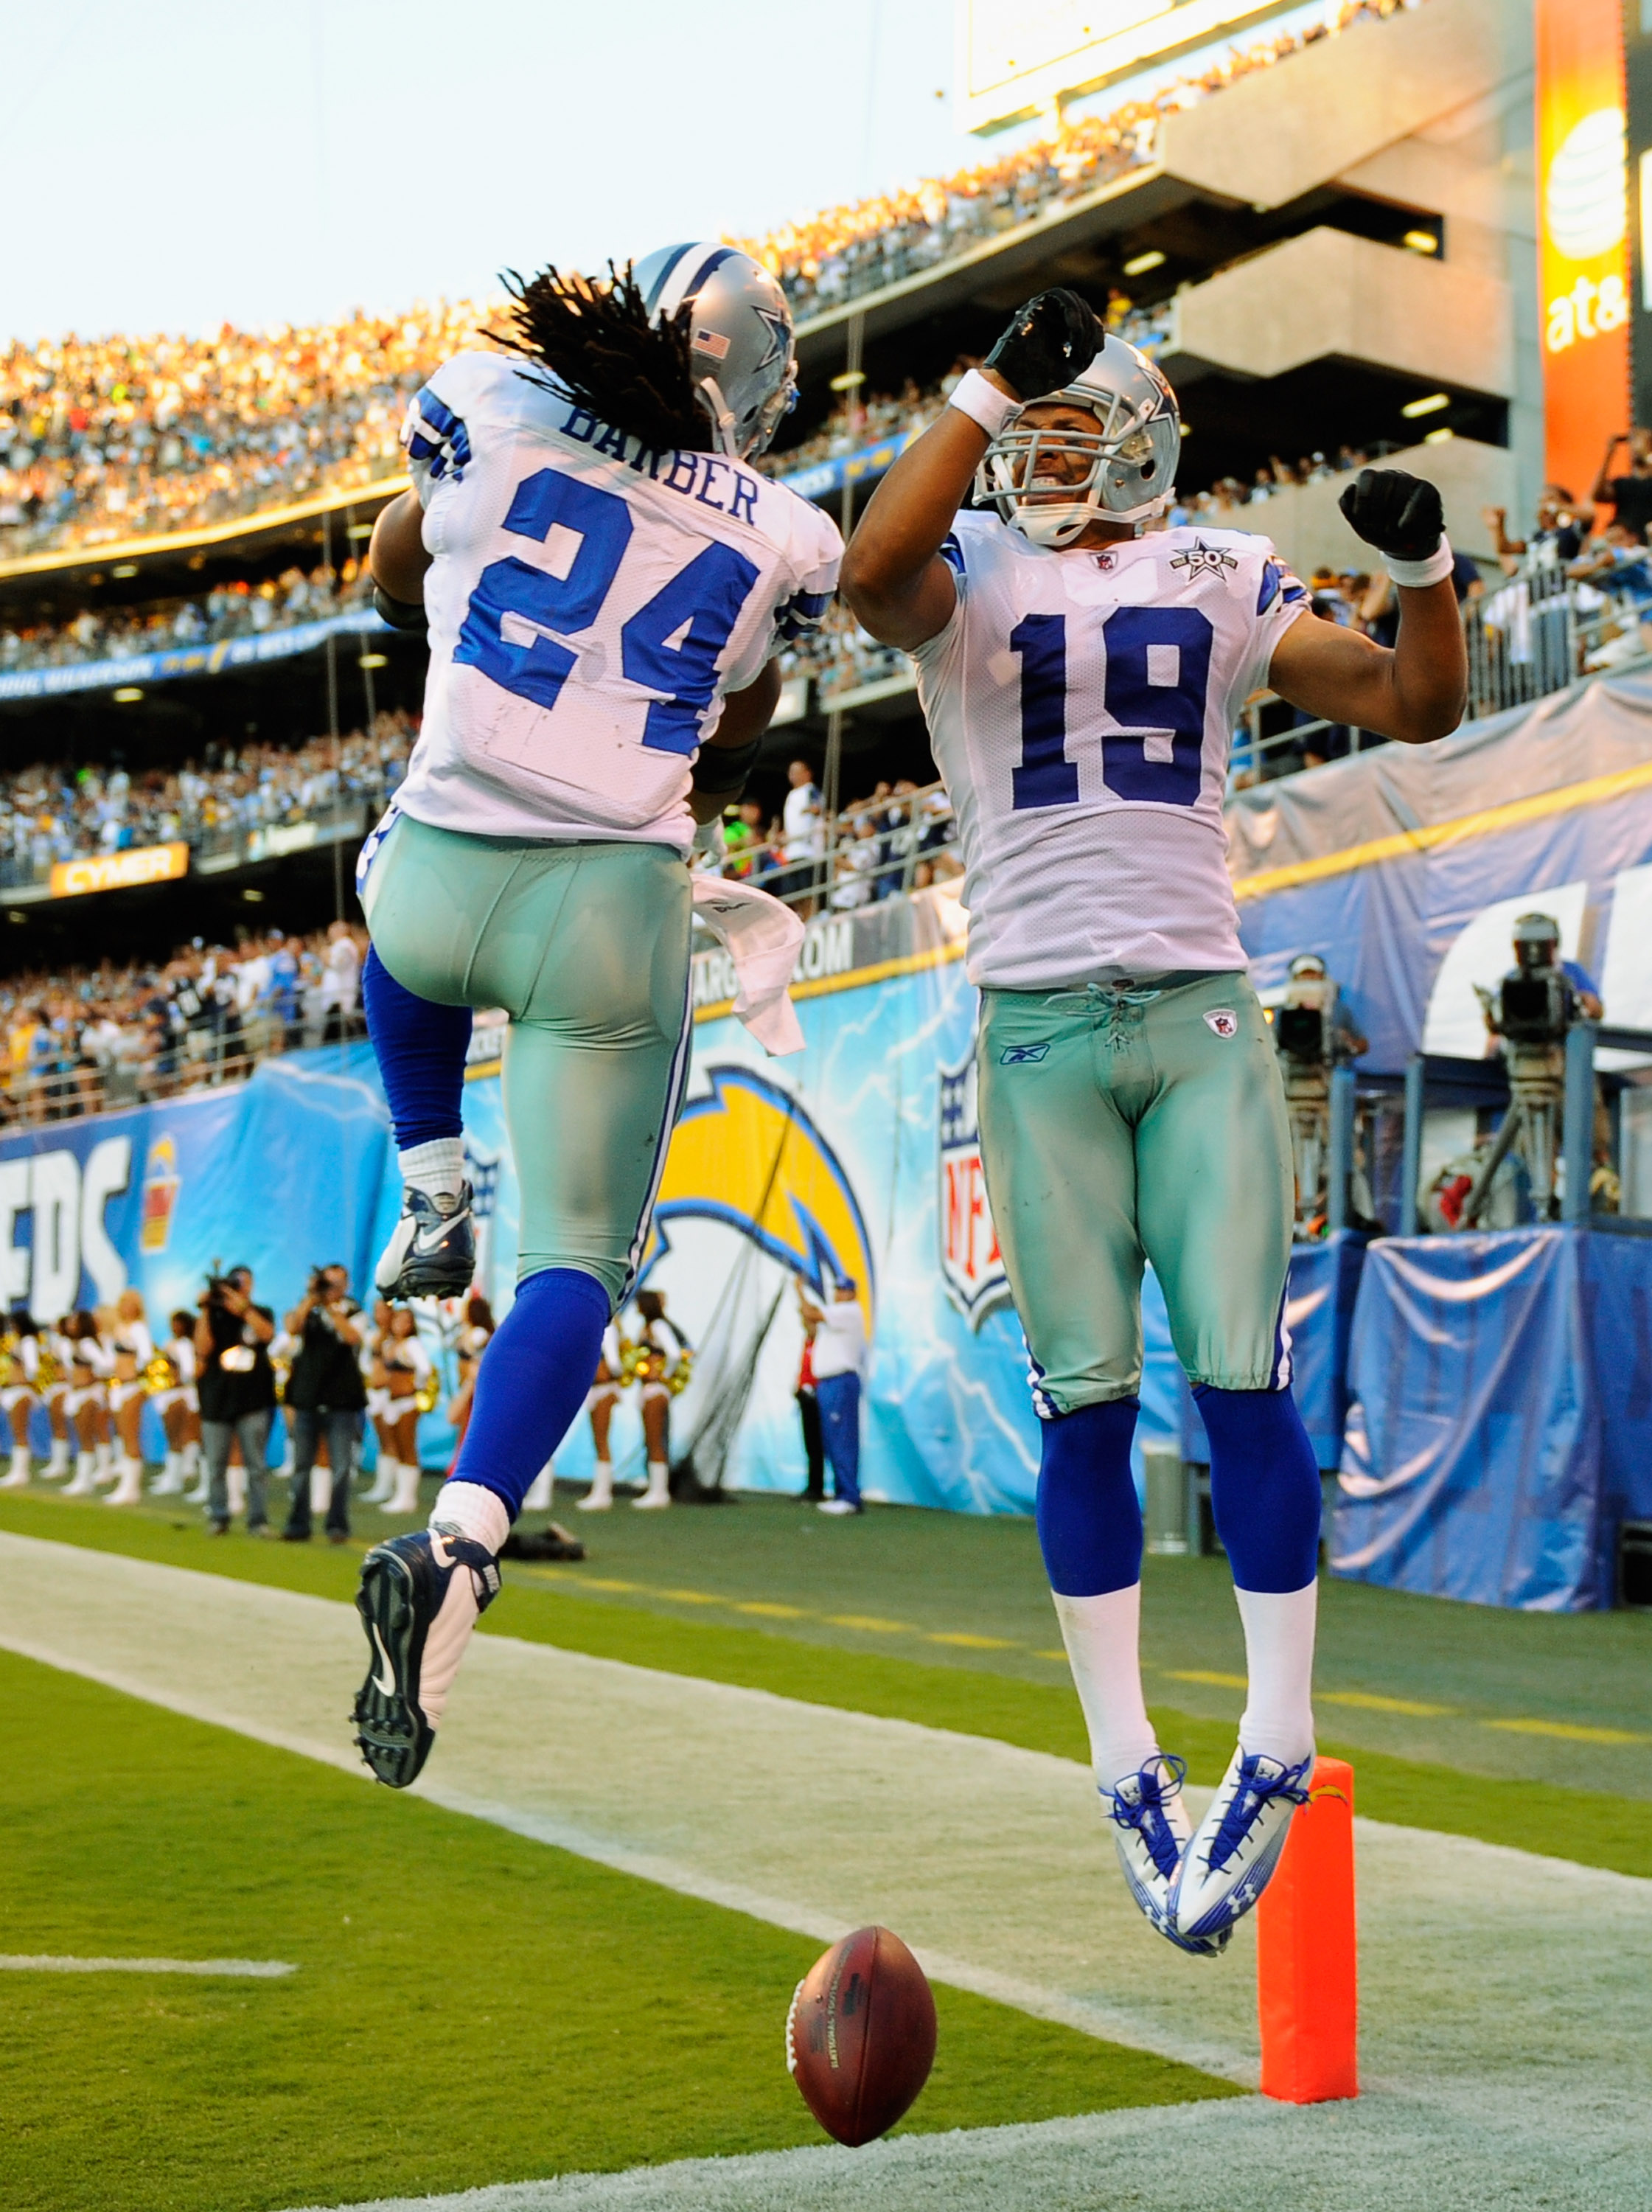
779 335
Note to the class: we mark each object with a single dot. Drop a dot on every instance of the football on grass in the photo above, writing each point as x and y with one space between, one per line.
860 2035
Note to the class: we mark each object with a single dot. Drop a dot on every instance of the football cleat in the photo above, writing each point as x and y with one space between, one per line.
420 1596
1236 1846
432 1253
1152 1830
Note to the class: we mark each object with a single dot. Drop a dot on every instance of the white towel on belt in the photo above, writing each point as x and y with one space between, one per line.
762 938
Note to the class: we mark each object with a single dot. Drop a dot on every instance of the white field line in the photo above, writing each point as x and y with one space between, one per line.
257 1970
1492 1982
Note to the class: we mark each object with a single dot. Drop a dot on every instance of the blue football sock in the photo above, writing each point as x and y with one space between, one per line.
1089 1516
533 1382
421 1049
1264 1486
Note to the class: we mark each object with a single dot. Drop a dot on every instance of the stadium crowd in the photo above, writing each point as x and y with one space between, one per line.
106 439
117 1035
237 609
827 258
57 812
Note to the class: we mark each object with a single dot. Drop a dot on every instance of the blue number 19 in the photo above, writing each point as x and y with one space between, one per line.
1158 673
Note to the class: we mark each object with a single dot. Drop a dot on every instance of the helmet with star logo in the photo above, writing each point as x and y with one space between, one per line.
745 373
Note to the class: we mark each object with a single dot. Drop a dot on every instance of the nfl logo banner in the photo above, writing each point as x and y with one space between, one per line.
972 1267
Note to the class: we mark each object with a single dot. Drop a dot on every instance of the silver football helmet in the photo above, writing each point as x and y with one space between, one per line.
1130 459
745 373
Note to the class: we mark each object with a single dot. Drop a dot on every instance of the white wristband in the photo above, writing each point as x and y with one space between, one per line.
1417 575
988 408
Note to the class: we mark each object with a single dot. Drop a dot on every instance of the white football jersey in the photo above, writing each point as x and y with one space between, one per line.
1081 705
590 605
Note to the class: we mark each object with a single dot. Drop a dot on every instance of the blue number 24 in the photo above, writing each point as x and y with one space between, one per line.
1148 695
670 644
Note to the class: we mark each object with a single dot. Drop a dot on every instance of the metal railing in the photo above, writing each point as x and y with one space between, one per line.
66 1085
851 871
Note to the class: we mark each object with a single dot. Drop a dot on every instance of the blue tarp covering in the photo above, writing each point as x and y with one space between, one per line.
1319 1313
1496 1439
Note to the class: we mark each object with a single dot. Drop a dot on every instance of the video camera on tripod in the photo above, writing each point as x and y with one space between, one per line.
1535 1003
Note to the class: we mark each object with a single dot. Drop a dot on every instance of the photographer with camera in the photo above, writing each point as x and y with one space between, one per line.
1314 1031
324 1395
237 1388
1529 1014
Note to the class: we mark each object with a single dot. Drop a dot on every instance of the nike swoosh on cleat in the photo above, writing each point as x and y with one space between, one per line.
425 1241
384 1681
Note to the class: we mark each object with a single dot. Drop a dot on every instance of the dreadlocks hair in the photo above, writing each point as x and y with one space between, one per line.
598 340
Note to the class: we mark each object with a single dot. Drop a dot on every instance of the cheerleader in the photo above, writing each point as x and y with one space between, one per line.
18 1395
663 1356
476 1332
600 1401
409 1378
173 1374
384 1481
86 1403
128 1350
48 1362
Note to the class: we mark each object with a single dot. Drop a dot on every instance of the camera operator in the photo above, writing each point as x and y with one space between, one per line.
237 1388
324 1392
1540 999
1314 1031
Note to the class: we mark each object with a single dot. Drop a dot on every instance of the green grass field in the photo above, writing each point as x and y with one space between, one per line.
723 1594
468 2007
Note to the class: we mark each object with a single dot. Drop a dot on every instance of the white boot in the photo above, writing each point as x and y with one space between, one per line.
600 1495
235 1482
538 1498
383 1480
320 1489
129 1489
21 1467
658 1491
106 1459
86 1475
196 1465
171 1477
406 1498
58 1463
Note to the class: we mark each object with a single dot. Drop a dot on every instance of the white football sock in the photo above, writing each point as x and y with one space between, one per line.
475 1512
437 1169
1102 1636
1279 1715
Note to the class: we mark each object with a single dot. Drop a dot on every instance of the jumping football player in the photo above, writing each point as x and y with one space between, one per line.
605 579
1081 682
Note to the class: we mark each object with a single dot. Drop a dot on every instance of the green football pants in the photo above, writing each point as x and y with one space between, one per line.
1119 1124
586 946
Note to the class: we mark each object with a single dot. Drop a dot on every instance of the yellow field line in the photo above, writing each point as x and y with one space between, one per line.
962 1639
1595 790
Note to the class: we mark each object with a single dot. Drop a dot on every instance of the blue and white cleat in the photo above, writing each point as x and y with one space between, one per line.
420 1596
432 1251
1152 1830
1236 1846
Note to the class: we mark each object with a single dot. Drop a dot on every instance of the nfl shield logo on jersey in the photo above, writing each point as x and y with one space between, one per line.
1224 1021
972 1266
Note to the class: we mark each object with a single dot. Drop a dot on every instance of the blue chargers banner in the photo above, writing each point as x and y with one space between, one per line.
249 652
1501 1385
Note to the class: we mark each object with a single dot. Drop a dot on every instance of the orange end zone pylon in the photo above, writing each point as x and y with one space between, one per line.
1306 1964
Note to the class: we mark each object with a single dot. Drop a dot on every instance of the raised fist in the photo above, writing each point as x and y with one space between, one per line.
1400 515
1050 340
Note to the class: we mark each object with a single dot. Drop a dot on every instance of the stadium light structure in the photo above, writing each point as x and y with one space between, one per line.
1430 404
1139 264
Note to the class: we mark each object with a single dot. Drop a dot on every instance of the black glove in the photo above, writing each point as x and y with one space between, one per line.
1400 515
1053 338
400 613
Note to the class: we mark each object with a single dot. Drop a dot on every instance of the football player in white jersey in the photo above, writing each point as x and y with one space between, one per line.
605 579
1081 680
